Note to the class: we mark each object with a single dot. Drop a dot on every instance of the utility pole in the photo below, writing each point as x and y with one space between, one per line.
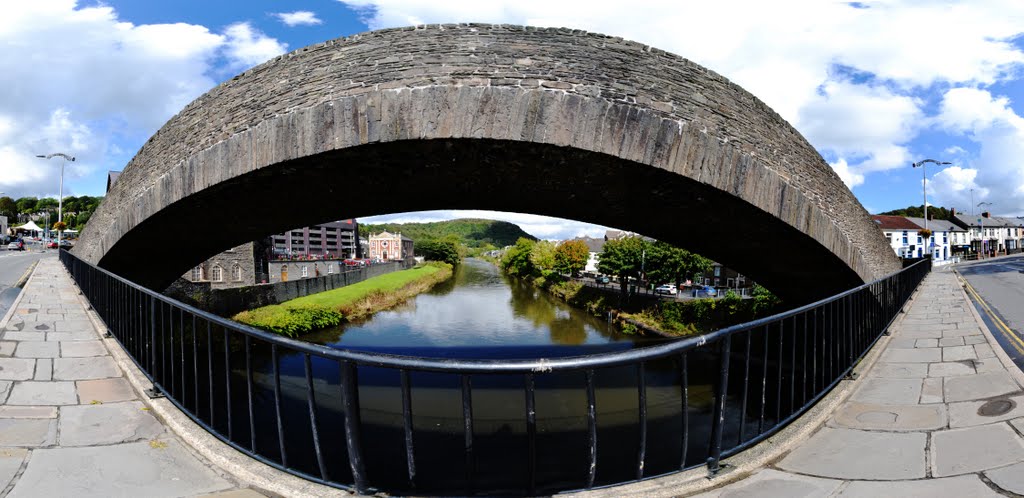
924 183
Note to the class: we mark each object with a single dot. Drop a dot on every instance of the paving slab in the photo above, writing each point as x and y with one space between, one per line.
889 391
28 412
772 483
950 369
951 341
43 393
983 385
161 469
99 367
27 432
971 413
856 454
962 486
869 416
84 425
10 463
900 370
916 355
958 353
235 493
984 351
1010 478
7 348
24 336
961 451
70 336
104 390
80 349
902 343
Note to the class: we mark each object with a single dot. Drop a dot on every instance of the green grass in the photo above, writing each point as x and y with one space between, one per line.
348 295
326 309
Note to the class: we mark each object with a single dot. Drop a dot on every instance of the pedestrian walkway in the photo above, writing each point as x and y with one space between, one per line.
940 413
70 423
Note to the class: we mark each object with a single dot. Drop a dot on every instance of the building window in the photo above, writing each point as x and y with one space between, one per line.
197 274
215 273
305 271
237 272
718 272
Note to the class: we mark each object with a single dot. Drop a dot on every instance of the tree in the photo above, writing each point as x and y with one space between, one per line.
623 258
516 260
8 207
542 256
668 263
27 205
438 250
571 256
46 204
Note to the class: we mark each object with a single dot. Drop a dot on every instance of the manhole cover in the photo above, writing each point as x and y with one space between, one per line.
996 407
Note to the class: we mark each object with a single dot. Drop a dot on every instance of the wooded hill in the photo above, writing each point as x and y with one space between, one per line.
473 233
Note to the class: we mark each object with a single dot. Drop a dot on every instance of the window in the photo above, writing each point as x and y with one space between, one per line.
237 272
215 273
305 271
945 238
197 274
718 272
904 238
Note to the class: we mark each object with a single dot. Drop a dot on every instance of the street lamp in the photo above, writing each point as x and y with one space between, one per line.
924 183
60 199
980 204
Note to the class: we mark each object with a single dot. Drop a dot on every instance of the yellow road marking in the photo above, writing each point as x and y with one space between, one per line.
1017 343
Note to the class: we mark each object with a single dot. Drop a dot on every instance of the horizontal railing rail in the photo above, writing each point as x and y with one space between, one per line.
706 397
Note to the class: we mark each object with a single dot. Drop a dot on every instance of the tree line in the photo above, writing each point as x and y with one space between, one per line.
76 210
625 258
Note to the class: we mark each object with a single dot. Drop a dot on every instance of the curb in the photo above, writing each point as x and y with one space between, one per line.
1004 358
17 301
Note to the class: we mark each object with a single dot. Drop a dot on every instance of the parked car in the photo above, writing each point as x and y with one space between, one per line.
704 290
666 289
16 245
51 245
65 244
602 280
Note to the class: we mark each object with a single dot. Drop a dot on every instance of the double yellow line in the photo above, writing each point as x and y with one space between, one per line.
1001 326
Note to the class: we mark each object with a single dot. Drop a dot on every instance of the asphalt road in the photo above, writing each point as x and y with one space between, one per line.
12 266
997 288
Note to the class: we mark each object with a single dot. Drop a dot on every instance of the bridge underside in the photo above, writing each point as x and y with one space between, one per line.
414 175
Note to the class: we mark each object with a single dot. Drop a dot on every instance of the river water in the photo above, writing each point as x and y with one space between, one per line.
481 313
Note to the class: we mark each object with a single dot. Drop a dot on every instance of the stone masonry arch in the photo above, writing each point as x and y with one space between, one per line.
547 121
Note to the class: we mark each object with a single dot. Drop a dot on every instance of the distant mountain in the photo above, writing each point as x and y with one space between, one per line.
473 233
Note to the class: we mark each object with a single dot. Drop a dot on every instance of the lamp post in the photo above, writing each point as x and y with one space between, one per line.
980 204
60 199
924 183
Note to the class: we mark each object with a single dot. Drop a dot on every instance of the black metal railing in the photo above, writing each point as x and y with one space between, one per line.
369 422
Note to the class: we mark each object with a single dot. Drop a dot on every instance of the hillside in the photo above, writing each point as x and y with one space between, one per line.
473 233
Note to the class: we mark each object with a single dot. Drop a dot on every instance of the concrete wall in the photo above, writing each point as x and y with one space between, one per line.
477 115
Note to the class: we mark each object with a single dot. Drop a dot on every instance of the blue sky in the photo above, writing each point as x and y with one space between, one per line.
873 85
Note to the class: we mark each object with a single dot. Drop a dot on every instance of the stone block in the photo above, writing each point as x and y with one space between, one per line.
897 418
958 353
950 369
969 485
856 454
917 355
889 391
963 451
88 425
98 367
983 385
10 464
104 390
78 349
27 432
900 370
36 349
16 368
43 393
772 483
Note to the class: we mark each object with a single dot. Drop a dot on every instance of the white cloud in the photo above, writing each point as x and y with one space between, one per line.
849 176
79 80
247 47
298 18
997 173
542 227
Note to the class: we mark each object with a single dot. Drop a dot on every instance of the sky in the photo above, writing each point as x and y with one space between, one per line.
873 85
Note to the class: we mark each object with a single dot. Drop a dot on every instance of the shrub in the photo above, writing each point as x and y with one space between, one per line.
288 321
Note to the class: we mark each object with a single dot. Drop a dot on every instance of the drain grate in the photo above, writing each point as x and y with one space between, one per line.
996 407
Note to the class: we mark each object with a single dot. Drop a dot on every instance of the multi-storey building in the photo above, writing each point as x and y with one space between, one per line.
336 239
992 234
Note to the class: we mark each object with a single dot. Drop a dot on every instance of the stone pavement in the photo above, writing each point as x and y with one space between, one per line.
70 423
940 413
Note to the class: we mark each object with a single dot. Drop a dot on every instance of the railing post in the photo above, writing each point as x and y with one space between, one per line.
718 414
353 440
153 391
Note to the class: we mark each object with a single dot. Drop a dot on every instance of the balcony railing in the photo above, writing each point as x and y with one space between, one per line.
369 422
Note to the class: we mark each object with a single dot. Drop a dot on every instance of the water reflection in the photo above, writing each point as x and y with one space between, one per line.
477 310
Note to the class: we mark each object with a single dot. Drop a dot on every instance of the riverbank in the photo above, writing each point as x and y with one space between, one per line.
327 309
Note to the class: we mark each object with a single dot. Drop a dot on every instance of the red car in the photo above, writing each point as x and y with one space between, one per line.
52 244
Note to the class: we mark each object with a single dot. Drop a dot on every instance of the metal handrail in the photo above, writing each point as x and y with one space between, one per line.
850 323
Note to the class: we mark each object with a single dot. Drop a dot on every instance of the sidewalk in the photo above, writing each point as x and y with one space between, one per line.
940 413
70 423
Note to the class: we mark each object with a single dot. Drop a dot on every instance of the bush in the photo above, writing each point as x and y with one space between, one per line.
291 322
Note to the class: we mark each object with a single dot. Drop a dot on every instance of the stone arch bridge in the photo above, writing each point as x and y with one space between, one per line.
546 121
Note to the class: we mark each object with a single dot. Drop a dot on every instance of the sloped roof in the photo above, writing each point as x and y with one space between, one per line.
593 245
890 222
937 225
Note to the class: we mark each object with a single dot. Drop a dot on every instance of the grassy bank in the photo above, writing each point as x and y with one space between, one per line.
327 309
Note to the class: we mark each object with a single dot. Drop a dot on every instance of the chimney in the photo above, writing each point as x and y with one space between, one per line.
952 213
984 214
